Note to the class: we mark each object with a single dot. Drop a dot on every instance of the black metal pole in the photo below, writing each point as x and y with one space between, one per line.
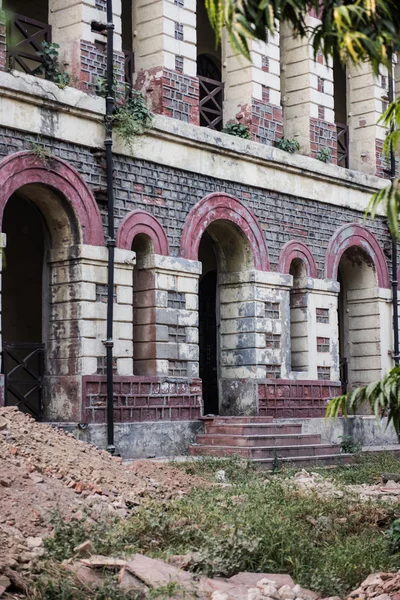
394 240
109 343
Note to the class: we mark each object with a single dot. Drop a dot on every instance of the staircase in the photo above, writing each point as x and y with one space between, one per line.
262 441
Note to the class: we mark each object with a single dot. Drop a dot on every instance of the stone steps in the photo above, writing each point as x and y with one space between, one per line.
264 441
251 429
223 440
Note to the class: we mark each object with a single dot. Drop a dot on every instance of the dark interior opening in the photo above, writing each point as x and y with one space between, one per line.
208 367
22 305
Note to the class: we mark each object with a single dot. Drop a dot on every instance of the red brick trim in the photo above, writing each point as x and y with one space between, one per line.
288 398
228 208
140 221
295 249
24 168
138 399
356 235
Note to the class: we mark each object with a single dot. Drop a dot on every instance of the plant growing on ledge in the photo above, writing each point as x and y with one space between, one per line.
290 146
50 67
132 117
324 155
40 152
237 129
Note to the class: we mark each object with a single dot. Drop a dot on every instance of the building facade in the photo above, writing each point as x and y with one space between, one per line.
247 280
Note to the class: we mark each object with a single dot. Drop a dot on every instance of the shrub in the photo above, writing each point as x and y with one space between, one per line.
287 145
50 67
237 129
324 155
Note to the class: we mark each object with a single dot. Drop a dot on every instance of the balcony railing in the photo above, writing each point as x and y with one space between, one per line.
129 68
211 99
24 41
342 133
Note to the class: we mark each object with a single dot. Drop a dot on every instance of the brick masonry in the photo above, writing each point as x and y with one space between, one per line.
170 93
94 66
266 122
141 399
322 136
169 194
3 43
285 399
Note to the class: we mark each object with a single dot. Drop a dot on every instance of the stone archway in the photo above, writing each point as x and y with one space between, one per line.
41 292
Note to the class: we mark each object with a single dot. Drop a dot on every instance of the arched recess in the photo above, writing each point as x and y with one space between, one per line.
223 207
24 170
142 222
356 235
299 342
297 250
45 209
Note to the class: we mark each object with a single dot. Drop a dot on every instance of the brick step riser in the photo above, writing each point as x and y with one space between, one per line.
247 442
297 413
239 420
268 453
252 430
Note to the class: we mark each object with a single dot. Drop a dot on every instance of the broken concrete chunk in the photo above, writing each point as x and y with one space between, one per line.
156 573
85 549
129 583
286 592
103 562
254 594
251 579
86 575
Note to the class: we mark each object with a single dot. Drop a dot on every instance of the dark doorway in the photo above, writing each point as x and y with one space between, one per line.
208 341
23 350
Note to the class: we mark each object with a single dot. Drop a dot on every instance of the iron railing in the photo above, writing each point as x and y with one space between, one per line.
211 99
129 68
342 134
24 41
23 367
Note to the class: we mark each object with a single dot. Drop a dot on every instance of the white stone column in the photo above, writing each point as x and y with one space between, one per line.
367 99
307 94
166 324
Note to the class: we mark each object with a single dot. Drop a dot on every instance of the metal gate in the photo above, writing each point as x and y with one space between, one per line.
23 367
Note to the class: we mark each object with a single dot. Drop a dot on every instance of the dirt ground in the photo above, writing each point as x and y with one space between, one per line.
43 470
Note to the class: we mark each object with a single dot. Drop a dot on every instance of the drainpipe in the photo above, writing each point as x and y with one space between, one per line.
396 356
109 342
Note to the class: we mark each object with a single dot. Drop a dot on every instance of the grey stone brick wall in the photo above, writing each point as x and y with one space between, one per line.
170 193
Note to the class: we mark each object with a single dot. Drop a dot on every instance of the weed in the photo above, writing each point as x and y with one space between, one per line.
50 66
348 445
131 118
238 130
165 591
235 467
287 145
324 155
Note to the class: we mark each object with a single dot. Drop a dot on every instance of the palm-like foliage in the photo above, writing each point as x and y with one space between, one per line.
382 397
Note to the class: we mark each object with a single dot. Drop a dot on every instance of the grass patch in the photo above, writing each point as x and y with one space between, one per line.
256 524
366 469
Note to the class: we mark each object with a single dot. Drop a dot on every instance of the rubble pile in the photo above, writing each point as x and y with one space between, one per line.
140 574
314 482
379 586
43 470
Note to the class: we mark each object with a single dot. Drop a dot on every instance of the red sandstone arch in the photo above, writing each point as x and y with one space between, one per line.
227 208
23 168
140 221
356 235
295 249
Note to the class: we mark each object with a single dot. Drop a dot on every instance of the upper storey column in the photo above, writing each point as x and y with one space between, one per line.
368 99
252 92
164 42
307 95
